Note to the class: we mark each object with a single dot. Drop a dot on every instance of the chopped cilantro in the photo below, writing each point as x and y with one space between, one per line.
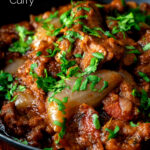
131 19
90 31
96 122
93 64
125 23
146 47
84 8
98 55
77 84
135 93
20 141
65 64
39 53
62 132
52 53
144 76
99 5
32 70
84 84
7 88
14 98
136 51
112 133
78 55
48 148
57 123
145 101
94 80
22 45
72 71
10 61
132 124
133 50
72 36
46 83
104 86
21 88
51 16
65 99
130 47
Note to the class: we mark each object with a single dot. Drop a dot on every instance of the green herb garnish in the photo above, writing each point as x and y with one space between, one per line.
144 76
78 55
50 18
104 86
25 39
20 141
112 133
84 8
132 124
146 47
39 53
77 84
96 122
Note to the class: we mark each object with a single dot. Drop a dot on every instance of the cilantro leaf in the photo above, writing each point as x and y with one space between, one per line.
145 101
146 47
77 84
22 45
51 16
72 36
78 55
39 53
84 8
144 76
96 122
132 124
112 133
94 63
48 148
20 141
84 84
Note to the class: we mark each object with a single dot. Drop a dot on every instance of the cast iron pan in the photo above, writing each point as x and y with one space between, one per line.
14 13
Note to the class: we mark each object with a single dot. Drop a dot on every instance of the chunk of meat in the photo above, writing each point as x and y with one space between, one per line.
8 33
25 124
128 138
81 132
120 103
114 5
145 39
110 48
93 15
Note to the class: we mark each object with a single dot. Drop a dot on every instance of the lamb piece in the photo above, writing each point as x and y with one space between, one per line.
114 5
8 33
24 123
81 132
145 39
128 137
121 104
109 47
144 62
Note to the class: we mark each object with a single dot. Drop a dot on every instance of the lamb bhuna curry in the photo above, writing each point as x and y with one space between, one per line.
77 77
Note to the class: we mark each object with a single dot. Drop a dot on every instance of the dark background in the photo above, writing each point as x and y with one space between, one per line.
13 13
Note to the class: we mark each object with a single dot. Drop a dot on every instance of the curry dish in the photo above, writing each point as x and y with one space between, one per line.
77 77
